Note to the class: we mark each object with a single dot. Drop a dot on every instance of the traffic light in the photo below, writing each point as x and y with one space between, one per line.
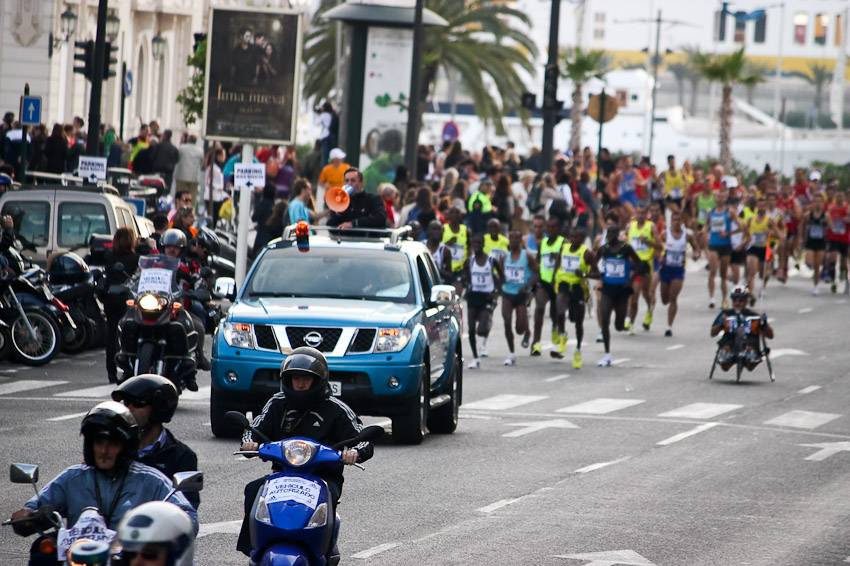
550 87
529 100
110 57
86 56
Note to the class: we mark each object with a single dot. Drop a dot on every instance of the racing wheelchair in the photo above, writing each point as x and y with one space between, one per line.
743 345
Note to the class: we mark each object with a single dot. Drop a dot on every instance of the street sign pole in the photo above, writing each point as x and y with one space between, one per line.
23 168
93 138
123 98
599 186
550 91
244 220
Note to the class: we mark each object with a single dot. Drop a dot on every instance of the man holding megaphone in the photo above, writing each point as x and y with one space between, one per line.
352 207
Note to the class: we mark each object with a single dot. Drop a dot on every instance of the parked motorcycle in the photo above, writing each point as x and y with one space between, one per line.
72 282
293 519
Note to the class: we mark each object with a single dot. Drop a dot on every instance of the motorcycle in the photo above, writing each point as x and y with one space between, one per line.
156 334
55 542
293 521
72 282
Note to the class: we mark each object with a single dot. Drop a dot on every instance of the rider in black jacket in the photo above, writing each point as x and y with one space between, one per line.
729 320
304 408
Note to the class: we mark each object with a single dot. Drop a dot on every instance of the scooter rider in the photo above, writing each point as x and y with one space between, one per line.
736 316
154 534
152 400
110 479
304 408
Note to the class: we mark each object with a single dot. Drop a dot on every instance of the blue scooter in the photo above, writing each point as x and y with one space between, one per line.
293 519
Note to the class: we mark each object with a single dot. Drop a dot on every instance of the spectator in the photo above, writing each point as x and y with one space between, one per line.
184 220
214 181
165 157
459 194
423 211
78 148
450 177
160 225
312 164
190 164
333 174
143 162
503 203
37 160
139 143
5 127
327 117
275 223
263 209
521 189
12 147
56 150
389 194
181 200
300 207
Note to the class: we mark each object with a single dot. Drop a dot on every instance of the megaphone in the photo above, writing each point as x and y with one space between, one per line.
338 199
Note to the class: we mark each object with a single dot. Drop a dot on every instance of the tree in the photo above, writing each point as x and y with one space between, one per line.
695 77
579 67
682 73
728 70
755 76
483 38
191 98
817 76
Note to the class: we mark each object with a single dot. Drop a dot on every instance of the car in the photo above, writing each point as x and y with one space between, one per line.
372 302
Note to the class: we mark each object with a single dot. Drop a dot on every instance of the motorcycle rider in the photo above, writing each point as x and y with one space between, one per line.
157 533
152 400
110 478
729 319
196 257
304 408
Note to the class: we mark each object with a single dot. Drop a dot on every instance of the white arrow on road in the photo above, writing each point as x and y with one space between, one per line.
610 558
539 425
827 449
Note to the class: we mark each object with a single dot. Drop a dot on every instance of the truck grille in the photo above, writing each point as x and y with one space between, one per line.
298 336
265 337
362 340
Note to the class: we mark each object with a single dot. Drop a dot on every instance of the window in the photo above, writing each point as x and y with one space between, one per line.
821 28
801 21
599 17
78 221
424 277
740 26
719 26
599 34
760 29
32 221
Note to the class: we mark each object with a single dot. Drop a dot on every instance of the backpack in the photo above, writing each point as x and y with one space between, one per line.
533 201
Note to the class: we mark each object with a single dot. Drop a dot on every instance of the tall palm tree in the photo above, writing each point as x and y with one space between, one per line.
818 76
483 38
579 67
755 76
728 70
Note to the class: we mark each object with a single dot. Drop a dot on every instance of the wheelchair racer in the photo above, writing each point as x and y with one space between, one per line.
729 320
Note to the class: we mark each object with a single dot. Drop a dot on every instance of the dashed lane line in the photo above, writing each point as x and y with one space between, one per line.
66 417
26 385
809 389
498 505
600 465
369 552
687 434
557 377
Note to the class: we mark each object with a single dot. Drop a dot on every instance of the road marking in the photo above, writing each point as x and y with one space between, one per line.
840 301
101 391
498 505
67 417
805 310
675 347
557 377
610 558
601 406
786 352
600 465
802 419
201 394
375 550
11 370
226 527
687 434
502 402
700 410
809 389
827 449
539 425
620 361
26 385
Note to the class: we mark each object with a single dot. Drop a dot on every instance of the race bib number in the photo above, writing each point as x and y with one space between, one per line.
676 192
155 280
838 227
759 239
718 223
703 215
570 264
549 261
457 253
300 490
816 231
89 527
639 245
657 194
498 254
736 239
615 268
515 274
674 258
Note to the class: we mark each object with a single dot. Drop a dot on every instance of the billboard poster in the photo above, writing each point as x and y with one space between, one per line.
385 96
253 62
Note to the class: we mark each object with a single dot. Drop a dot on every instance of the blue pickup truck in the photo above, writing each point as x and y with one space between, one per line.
373 303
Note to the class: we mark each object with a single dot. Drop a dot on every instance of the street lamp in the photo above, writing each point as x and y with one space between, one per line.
158 47
67 24
112 25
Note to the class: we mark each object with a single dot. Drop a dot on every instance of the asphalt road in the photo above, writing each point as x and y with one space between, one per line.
646 462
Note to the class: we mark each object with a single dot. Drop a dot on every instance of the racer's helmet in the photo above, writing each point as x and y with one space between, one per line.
740 292
68 269
112 420
305 361
5 180
173 237
208 240
149 389
156 527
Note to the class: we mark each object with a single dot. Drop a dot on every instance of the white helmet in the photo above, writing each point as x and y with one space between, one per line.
153 526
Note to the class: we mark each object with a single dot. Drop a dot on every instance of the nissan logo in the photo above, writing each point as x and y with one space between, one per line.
313 339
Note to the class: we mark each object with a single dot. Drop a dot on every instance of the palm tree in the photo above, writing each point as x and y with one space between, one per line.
681 72
695 77
483 38
756 73
728 70
817 76
579 67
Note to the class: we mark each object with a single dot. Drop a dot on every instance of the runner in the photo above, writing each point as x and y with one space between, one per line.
674 185
788 203
495 245
672 272
547 257
643 239
571 271
777 242
838 238
719 227
531 242
738 239
704 202
814 225
520 269
439 251
484 277
456 236
656 216
620 264
761 228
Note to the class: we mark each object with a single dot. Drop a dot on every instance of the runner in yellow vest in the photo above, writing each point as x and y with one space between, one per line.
571 285
547 258
643 238
675 187
495 244
455 235
761 227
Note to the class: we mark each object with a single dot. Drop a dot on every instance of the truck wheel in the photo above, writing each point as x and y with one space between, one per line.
443 419
411 427
219 425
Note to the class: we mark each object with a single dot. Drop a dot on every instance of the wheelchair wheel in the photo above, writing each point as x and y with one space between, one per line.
740 370
766 351
714 363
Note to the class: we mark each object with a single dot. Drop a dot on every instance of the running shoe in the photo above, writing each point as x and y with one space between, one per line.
482 349
556 355
605 362
555 336
525 340
474 364
668 333
711 303
628 324
510 360
536 349
815 291
648 320
630 331
577 359
600 338
562 344
725 303
833 288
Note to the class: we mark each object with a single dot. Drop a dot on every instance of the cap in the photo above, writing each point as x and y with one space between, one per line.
526 173
337 153
814 175
731 181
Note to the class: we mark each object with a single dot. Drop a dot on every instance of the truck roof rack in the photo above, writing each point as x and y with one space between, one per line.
102 188
395 235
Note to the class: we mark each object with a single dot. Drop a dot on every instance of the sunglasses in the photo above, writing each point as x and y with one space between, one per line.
186 199
138 403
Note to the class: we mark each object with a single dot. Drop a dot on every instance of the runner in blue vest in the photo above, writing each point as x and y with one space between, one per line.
520 269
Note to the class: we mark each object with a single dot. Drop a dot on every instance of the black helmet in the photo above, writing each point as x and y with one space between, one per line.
741 293
68 269
112 420
305 361
208 240
153 390
173 237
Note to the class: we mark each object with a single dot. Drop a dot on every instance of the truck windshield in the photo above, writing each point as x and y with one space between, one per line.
333 273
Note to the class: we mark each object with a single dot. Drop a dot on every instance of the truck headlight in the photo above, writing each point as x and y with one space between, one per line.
238 335
392 339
